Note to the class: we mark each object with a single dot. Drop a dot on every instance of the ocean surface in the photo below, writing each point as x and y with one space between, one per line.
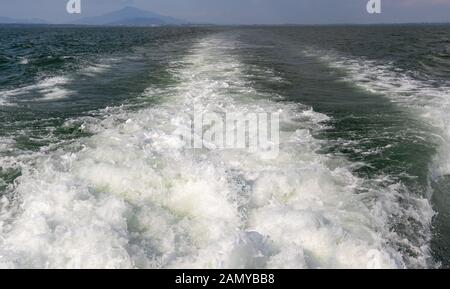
92 175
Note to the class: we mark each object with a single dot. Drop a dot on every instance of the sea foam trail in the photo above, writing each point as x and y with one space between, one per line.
133 195
51 88
54 88
429 100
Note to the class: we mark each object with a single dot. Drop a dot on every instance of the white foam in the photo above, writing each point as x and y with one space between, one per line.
54 88
51 88
99 67
4 101
429 101
135 196
24 61
6 144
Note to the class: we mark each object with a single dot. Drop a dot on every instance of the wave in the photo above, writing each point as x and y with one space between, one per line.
24 61
51 88
99 67
135 196
428 99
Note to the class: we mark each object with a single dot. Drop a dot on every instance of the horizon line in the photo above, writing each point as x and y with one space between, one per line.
232 24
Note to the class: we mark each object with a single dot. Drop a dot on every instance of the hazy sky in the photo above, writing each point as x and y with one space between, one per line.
243 11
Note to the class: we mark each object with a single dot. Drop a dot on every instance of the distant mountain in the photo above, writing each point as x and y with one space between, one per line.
7 20
139 22
130 16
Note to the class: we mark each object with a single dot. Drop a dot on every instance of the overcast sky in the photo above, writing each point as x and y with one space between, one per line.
243 11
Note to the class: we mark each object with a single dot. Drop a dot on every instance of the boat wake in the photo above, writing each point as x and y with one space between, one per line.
134 195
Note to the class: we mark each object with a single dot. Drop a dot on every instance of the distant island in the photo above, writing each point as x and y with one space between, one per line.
128 16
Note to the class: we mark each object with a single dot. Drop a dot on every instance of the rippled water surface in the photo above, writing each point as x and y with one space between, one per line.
92 174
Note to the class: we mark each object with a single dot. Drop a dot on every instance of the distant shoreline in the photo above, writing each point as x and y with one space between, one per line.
225 25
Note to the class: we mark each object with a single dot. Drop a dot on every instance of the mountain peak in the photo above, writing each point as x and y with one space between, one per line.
130 16
130 8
